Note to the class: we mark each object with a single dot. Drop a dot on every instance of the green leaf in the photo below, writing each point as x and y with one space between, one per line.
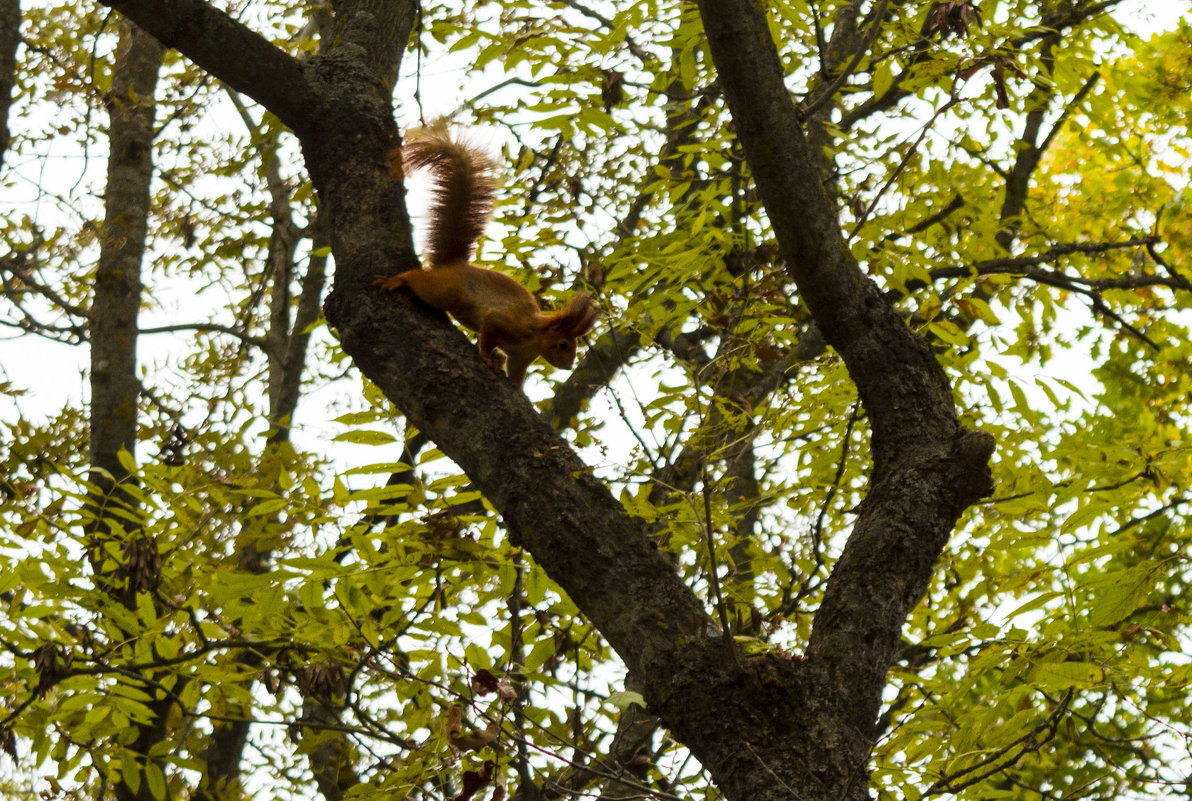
156 780
127 461
1040 600
623 699
267 507
1053 676
130 770
360 437
883 77
1116 595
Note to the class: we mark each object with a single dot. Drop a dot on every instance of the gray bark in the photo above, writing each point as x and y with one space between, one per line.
115 388
766 726
10 39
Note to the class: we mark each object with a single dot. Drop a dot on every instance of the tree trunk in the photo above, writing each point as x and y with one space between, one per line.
10 39
115 387
769 726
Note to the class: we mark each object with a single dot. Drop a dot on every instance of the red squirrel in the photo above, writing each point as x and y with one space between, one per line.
494 305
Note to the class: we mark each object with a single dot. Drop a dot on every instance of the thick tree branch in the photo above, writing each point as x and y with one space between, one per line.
117 297
10 39
890 365
926 469
1030 152
230 51
737 717
1026 266
564 517
113 335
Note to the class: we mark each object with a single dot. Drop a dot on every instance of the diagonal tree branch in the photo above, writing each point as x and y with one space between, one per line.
756 723
564 517
10 39
230 51
926 468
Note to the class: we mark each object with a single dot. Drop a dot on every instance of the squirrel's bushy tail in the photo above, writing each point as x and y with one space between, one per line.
465 187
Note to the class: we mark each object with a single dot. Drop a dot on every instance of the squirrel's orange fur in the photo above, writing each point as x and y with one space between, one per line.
492 304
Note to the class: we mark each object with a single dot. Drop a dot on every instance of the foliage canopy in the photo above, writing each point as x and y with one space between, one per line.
237 569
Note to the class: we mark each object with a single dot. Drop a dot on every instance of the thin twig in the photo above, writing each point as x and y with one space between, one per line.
952 101
823 95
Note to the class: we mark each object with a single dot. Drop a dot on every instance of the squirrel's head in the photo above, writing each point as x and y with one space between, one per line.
557 338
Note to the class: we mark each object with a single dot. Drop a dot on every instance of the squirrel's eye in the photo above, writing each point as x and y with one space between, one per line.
563 344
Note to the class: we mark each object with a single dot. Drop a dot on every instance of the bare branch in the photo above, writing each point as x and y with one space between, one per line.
824 94
207 328
997 761
952 101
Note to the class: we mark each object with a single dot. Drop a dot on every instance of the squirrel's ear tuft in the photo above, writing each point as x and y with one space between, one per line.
577 317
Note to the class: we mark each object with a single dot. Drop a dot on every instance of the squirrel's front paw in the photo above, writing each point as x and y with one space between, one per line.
388 282
496 360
